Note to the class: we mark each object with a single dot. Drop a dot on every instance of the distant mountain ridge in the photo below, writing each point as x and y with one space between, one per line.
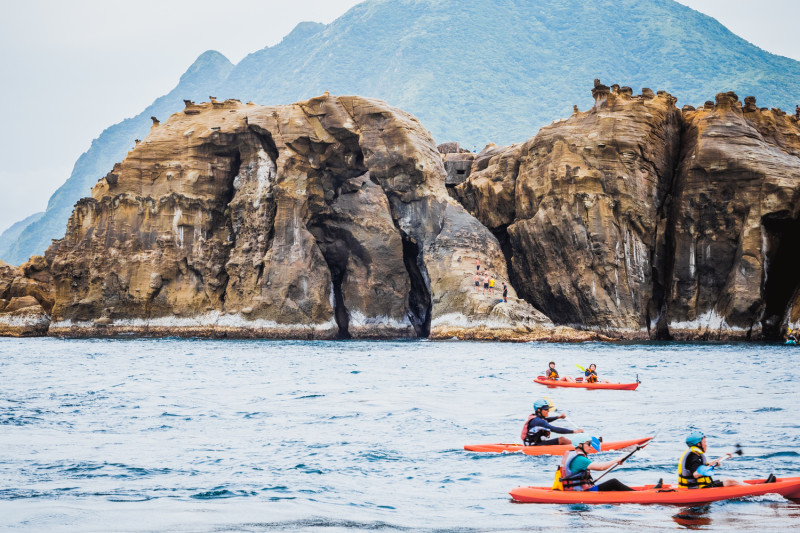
475 72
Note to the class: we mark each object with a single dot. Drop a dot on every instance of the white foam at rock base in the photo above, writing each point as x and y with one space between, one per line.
708 320
210 319
24 321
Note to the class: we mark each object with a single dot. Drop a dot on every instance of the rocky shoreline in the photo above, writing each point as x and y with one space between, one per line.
339 217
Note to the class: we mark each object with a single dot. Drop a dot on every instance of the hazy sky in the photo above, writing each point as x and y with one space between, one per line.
71 68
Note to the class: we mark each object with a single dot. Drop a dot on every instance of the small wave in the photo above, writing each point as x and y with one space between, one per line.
308 470
308 396
781 454
768 409
220 493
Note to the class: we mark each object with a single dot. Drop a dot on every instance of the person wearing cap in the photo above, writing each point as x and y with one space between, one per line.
694 470
537 427
573 474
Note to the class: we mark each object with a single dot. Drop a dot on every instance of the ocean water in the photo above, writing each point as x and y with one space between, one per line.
199 435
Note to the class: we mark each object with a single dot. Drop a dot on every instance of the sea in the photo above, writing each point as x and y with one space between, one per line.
185 435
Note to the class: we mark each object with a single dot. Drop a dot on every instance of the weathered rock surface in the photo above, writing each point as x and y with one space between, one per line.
735 222
336 217
26 298
633 215
326 218
578 205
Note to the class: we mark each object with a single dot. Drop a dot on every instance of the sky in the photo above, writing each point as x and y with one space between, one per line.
73 68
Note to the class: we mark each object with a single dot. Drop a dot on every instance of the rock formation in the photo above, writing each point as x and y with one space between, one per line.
634 217
337 217
578 206
735 220
26 298
326 218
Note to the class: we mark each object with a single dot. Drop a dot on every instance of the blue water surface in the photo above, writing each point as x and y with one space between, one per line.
199 435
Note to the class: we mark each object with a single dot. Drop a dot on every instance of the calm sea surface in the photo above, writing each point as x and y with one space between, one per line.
197 435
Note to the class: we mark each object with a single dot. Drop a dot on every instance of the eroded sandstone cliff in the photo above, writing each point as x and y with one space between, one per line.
337 217
643 220
26 298
326 218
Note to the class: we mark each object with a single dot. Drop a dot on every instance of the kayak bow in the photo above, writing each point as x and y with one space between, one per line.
788 487
584 385
558 449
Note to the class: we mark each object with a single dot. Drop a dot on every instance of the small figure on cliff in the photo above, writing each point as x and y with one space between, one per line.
477 264
491 285
537 427
797 112
477 282
552 373
505 293
485 281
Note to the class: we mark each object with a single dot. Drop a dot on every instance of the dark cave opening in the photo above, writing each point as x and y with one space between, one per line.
419 299
782 272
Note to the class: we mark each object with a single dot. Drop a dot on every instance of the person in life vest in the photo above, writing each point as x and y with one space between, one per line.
573 474
694 470
590 375
537 427
552 373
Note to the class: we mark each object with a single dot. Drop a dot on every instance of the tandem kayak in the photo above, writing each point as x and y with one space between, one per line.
788 487
558 449
584 385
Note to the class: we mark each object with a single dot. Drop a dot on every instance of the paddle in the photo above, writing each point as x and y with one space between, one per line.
582 369
738 451
638 447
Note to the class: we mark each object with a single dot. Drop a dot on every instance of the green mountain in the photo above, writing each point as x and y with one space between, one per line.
471 71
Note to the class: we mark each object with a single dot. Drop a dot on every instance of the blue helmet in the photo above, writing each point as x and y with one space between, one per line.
539 404
694 438
594 442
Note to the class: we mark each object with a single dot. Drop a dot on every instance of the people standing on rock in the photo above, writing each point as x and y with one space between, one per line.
552 373
797 112
477 279
505 293
537 427
491 285
573 474
485 281
478 265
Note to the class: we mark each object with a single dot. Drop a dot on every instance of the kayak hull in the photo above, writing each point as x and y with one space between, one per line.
549 450
583 385
788 487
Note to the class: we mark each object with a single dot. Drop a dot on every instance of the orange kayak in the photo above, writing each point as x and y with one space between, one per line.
584 385
558 449
788 487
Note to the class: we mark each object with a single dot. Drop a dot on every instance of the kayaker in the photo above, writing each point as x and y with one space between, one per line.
537 427
573 474
590 375
552 373
694 470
